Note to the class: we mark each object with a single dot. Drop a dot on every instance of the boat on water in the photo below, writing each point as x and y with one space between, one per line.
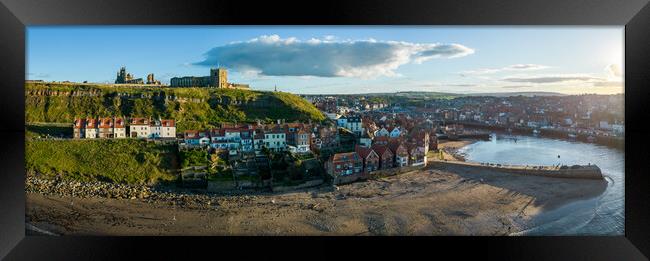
572 135
536 132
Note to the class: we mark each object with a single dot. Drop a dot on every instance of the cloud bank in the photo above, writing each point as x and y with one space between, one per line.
553 79
514 67
275 56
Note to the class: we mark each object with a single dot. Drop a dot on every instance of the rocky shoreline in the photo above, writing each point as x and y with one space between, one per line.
147 194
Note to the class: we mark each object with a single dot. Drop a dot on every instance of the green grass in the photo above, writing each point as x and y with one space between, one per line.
191 158
119 160
192 108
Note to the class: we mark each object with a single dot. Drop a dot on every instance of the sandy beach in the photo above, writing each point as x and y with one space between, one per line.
449 149
433 201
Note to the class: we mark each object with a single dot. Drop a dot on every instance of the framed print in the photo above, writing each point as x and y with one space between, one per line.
500 126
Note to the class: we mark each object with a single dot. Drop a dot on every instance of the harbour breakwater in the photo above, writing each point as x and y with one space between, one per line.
574 172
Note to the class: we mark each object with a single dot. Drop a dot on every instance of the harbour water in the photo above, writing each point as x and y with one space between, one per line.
602 215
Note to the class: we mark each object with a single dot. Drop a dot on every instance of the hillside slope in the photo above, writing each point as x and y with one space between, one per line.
192 108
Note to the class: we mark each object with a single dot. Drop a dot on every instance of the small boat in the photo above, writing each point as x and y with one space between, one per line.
572 135
535 132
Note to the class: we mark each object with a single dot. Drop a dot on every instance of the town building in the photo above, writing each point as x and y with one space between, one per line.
162 129
352 123
342 164
417 155
275 140
369 157
385 156
196 138
400 153
91 128
139 128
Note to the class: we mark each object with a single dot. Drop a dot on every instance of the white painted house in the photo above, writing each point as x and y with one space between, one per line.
139 128
91 130
162 129
275 140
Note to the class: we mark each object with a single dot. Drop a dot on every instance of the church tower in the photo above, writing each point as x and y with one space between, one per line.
219 78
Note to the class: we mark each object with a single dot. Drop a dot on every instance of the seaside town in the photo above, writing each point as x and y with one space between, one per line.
362 135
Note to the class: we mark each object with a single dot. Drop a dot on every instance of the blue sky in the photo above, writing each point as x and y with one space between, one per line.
340 59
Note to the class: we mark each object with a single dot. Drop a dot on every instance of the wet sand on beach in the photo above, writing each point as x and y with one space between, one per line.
434 201
450 148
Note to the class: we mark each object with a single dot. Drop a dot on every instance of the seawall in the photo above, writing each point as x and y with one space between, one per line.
574 172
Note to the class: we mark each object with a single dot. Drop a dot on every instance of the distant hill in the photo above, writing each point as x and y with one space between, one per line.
446 95
509 94
192 108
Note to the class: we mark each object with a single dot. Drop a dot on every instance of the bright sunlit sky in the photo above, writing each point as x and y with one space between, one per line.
340 59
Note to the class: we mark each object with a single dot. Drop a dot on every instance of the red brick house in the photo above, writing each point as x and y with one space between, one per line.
342 164
400 152
385 156
369 157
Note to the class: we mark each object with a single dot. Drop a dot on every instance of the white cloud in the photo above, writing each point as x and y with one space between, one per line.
275 56
613 71
567 80
554 79
514 67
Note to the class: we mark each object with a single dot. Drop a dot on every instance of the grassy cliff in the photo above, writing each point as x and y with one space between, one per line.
192 108
126 161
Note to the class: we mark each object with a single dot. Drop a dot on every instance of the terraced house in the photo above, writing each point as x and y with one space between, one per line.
342 164
91 128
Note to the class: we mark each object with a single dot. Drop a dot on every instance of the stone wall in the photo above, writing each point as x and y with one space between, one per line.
308 184
583 172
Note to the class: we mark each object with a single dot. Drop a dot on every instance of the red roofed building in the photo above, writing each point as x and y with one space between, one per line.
369 157
139 128
119 128
105 128
399 151
90 128
341 164
79 128
162 129
385 156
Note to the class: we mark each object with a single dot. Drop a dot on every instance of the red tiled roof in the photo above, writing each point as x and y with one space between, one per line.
105 123
79 123
363 151
91 123
139 121
168 123
191 134
381 139
380 149
394 145
119 122
345 156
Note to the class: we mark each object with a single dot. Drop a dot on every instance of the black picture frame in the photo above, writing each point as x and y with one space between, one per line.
16 14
